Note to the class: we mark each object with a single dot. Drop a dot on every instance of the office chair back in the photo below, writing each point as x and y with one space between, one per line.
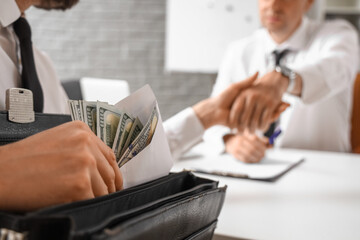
355 121
72 89
106 90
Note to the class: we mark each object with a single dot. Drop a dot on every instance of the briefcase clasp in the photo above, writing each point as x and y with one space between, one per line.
20 105
7 234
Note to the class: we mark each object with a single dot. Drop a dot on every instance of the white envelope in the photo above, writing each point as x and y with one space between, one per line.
155 160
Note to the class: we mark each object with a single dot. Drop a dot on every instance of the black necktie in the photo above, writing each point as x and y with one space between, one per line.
278 55
29 77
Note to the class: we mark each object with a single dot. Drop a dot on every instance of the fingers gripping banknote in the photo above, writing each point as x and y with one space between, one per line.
133 130
122 132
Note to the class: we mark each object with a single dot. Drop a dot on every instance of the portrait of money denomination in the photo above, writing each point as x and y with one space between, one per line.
122 132
134 132
89 110
107 120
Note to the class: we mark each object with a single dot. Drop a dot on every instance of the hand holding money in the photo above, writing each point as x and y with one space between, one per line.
120 131
63 164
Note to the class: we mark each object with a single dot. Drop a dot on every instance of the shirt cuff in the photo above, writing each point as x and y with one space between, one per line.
213 137
183 130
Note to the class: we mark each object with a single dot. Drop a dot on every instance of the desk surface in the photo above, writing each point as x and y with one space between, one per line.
319 199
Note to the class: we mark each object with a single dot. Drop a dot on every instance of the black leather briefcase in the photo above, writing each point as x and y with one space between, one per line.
12 132
177 206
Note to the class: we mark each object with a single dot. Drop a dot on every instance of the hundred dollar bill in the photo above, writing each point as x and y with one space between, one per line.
74 109
142 139
122 133
71 110
107 120
125 135
153 125
134 132
81 111
78 110
89 110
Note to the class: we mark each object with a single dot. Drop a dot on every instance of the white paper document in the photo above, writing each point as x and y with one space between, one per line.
269 169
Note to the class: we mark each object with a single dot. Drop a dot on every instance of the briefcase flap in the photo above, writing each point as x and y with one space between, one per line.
177 220
12 132
182 199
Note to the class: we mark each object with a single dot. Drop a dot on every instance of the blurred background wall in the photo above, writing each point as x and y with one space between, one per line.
117 39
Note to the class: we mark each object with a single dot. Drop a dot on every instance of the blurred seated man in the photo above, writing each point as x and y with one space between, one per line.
309 64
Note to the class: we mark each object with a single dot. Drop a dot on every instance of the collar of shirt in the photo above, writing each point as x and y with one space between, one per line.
296 42
9 12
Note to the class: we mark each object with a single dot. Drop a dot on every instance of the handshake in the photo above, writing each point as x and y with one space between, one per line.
247 105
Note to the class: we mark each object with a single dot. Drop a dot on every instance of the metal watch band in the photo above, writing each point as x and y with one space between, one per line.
292 79
290 74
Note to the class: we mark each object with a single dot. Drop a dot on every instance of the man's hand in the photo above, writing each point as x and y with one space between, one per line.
258 105
64 164
216 110
246 147
227 108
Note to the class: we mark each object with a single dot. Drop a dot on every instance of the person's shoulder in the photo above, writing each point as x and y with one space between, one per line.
339 25
249 42
333 26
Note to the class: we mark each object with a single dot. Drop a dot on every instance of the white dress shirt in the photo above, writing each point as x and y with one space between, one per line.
326 56
55 98
183 130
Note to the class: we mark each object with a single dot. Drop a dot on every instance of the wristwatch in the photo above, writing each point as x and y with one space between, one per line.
290 74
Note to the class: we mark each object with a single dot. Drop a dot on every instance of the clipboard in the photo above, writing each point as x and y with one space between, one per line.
246 176
269 169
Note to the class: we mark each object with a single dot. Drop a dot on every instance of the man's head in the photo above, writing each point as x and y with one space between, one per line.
46 4
282 17
56 4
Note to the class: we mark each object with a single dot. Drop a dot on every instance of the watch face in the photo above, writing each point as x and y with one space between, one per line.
287 72
278 69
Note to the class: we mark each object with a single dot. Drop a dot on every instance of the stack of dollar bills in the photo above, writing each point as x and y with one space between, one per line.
124 133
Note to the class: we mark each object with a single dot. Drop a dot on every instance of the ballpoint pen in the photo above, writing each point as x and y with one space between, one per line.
276 133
